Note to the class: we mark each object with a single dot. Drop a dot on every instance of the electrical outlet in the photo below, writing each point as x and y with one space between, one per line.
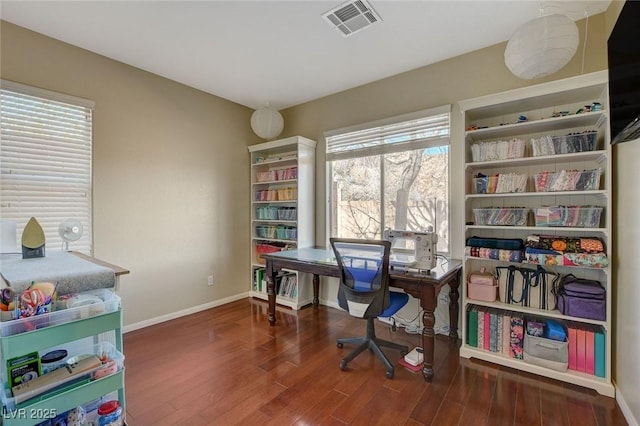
210 280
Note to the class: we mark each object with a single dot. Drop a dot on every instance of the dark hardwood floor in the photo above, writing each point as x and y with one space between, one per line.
227 366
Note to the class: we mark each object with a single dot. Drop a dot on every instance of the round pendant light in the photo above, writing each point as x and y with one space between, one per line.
542 46
267 122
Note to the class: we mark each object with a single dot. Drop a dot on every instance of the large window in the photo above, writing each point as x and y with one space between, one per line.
392 174
45 161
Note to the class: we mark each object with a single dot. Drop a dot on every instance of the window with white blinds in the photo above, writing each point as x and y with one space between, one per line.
390 174
45 162
424 129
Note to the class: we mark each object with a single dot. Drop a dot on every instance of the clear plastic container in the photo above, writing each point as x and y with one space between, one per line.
568 180
501 216
99 301
110 414
500 183
568 216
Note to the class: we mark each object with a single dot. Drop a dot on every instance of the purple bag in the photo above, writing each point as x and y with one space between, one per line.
582 298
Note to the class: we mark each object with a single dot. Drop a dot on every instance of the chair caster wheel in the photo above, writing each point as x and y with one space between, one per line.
389 374
343 365
340 345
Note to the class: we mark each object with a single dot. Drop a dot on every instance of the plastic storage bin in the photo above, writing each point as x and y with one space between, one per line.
288 173
267 176
500 183
568 180
267 213
287 194
568 216
103 350
74 307
501 216
287 213
498 150
565 144
266 231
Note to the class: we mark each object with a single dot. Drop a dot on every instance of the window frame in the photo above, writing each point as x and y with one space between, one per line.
51 231
444 141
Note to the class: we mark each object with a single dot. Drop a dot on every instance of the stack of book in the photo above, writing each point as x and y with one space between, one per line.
496 331
502 332
287 286
586 348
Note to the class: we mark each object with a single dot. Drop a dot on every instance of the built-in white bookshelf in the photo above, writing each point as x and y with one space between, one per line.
533 112
282 213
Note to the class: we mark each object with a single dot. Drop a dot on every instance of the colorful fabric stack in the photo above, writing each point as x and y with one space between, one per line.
566 251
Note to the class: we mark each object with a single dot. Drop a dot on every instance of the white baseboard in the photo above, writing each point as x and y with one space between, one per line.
182 313
624 407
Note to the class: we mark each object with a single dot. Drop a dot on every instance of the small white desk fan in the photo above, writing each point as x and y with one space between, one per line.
70 230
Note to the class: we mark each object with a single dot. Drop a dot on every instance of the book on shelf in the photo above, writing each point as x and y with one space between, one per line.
589 351
287 285
472 326
506 334
502 332
586 348
600 360
517 336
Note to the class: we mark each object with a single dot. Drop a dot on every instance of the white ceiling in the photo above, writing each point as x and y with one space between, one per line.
283 52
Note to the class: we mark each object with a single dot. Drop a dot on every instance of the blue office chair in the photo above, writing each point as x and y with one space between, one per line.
364 293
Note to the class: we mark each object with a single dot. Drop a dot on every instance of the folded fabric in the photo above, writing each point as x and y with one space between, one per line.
495 254
496 243
549 257
561 245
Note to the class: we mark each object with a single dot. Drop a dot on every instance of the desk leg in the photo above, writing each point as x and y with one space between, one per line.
271 293
428 302
454 307
316 290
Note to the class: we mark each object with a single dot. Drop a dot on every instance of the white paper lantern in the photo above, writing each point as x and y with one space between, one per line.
542 46
267 122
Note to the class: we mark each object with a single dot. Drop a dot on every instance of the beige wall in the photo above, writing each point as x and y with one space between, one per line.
170 174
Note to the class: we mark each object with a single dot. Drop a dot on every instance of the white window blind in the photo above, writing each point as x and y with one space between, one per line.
424 129
45 161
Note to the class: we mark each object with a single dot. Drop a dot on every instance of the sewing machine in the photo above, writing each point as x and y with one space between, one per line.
421 257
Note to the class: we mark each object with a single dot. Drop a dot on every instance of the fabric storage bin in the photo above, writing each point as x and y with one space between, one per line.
568 216
267 213
578 142
498 150
286 194
482 286
287 213
565 144
266 176
500 183
288 173
501 216
546 352
266 231
281 232
261 231
292 233
568 180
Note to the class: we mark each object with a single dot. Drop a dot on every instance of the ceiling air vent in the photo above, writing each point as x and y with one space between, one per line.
351 17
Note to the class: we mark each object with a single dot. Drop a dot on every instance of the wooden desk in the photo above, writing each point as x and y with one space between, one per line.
424 287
